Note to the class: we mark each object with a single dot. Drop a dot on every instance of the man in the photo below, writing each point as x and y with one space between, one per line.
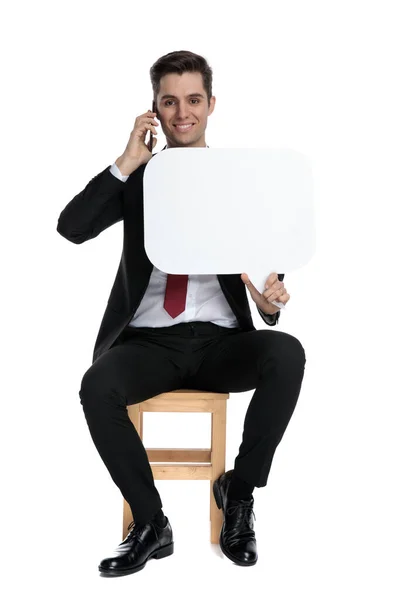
162 332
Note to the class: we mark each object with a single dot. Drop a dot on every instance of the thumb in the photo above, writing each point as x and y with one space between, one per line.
252 289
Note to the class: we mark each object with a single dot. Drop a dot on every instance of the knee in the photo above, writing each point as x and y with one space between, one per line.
96 389
296 350
290 352
89 388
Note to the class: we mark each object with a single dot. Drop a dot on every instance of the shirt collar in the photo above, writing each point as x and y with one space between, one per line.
167 145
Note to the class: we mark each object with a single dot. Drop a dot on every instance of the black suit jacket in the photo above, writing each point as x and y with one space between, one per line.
106 200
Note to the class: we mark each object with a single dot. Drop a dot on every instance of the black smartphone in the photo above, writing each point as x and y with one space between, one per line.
154 109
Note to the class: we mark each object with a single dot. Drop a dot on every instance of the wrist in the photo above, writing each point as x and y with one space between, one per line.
126 166
270 313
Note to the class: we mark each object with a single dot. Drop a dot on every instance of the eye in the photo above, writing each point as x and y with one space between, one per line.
195 99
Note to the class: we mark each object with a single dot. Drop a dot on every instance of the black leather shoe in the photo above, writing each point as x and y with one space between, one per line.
142 542
237 539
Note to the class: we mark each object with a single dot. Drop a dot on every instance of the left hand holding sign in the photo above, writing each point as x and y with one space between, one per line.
273 290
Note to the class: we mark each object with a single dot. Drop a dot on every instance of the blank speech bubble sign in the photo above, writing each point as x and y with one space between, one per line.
228 210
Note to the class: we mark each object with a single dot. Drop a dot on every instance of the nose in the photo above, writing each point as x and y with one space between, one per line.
182 113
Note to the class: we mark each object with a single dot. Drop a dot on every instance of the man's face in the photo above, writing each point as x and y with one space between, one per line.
176 105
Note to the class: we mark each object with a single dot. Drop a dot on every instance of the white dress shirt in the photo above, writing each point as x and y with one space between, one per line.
205 300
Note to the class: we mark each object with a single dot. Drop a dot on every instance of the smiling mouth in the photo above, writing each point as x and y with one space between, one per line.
184 128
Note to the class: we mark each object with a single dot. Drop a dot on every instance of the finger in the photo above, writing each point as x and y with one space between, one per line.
273 294
271 279
280 294
284 299
276 286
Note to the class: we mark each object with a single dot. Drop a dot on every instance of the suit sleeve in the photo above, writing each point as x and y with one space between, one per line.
271 320
98 206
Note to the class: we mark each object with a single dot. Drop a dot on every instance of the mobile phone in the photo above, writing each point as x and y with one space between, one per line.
154 109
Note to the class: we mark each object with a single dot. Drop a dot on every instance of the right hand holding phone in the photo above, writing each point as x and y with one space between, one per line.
137 152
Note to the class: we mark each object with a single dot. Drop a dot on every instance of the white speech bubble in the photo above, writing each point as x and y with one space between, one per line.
229 210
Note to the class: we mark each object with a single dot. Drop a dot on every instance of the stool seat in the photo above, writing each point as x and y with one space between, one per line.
212 459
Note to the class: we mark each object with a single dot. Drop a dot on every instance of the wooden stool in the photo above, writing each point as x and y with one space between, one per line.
186 401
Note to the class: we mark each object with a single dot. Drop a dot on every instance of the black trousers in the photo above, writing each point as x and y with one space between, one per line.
199 355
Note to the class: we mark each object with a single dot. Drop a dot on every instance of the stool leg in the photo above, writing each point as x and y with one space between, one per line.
218 451
136 416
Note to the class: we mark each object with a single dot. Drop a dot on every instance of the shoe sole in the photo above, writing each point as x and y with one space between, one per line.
218 500
158 553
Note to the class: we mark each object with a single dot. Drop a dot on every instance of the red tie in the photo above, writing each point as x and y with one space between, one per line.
175 294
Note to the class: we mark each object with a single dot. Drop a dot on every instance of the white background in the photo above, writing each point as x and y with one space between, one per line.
320 77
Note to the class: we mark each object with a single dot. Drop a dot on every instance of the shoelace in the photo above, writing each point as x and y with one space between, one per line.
132 530
235 536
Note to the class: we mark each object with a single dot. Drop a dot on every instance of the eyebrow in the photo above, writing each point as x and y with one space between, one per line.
188 96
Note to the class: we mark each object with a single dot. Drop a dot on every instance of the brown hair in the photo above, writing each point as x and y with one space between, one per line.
181 61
